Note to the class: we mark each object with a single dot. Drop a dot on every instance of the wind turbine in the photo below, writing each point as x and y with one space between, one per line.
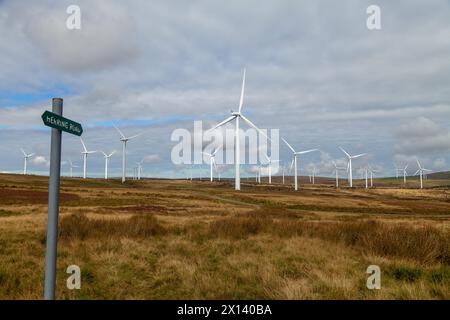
237 115
314 174
107 157
404 174
25 159
269 165
349 165
421 171
372 171
71 167
212 161
336 170
85 153
139 169
124 150
294 161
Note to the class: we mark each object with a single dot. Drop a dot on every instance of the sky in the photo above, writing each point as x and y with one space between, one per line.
314 71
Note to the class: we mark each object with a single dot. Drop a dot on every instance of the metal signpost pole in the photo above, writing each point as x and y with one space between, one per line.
53 206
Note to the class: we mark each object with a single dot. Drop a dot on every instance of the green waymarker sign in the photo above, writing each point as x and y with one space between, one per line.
55 121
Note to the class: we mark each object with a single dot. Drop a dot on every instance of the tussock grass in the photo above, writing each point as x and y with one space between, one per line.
79 226
424 244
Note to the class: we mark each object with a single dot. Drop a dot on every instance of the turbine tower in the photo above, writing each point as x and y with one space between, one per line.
25 159
237 115
124 150
349 165
107 157
85 153
294 161
421 171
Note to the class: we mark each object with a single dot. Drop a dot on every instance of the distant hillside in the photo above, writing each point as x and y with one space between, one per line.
440 175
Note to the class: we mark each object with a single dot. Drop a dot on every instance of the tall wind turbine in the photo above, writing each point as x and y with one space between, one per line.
294 161
237 115
25 159
85 153
124 150
212 162
336 171
71 167
349 165
421 171
107 157
269 165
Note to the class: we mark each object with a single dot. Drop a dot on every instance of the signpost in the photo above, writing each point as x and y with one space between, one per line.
55 120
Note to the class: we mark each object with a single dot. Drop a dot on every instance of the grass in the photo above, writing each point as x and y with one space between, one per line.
181 240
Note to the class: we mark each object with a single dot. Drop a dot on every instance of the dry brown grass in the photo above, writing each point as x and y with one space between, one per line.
177 239
80 227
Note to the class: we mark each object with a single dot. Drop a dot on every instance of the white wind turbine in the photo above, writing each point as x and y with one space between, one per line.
107 157
237 115
212 161
421 171
85 153
25 160
269 165
124 150
294 161
140 169
405 174
336 171
372 171
71 167
349 165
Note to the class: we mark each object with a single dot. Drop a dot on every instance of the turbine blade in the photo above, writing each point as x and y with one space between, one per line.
135 136
222 123
255 127
241 101
346 153
290 147
418 164
215 151
359 155
84 146
120 132
24 153
307 151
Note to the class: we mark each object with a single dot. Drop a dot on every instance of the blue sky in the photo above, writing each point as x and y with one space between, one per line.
314 71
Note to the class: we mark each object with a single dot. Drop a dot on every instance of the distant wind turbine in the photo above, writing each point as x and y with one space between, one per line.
237 115
349 165
85 153
269 164
107 157
124 150
421 171
25 159
71 167
405 174
212 161
336 171
294 161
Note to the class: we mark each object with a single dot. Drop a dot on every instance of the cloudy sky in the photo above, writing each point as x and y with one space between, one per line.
314 71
